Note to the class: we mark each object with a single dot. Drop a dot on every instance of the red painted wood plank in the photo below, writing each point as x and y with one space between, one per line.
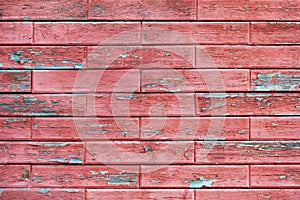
142 10
38 57
125 104
279 176
68 81
14 176
140 152
43 10
16 32
275 128
247 152
259 194
194 80
87 33
196 176
42 105
124 194
194 33
275 33
94 129
15 81
248 10
87 176
47 152
42 193
195 128
12 128
238 56
130 57
275 80
248 104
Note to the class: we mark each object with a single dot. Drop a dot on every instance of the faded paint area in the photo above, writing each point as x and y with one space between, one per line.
277 81
15 81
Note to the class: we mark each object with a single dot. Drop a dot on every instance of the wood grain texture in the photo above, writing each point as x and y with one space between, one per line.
15 128
120 152
15 176
275 128
196 176
61 176
76 33
279 176
194 128
275 33
42 57
247 104
194 80
86 129
123 194
16 32
248 10
194 33
15 81
43 10
47 152
142 10
42 193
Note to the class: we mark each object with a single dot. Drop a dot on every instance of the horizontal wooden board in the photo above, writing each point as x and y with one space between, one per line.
15 81
62 176
196 176
194 128
142 10
194 33
248 104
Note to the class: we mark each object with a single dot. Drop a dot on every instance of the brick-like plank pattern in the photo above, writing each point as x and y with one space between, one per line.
150 99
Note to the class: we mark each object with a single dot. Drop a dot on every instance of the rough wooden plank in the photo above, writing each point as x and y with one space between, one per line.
196 176
43 10
140 104
188 128
15 128
89 176
124 194
142 10
132 57
247 152
15 81
38 152
259 194
279 176
16 32
248 104
248 10
275 33
14 176
38 57
275 80
42 193
94 129
241 56
42 105
140 152
275 128
76 33
194 33
194 80
68 81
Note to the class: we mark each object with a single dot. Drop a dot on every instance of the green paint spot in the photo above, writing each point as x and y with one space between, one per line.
61 160
282 176
76 160
154 181
1 191
26 18
44 190
1 65
72 190
36 125
55 144
25 175
201 182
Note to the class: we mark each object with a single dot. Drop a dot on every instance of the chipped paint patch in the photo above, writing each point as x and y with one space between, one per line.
55 144
43 190
76 160
195 184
